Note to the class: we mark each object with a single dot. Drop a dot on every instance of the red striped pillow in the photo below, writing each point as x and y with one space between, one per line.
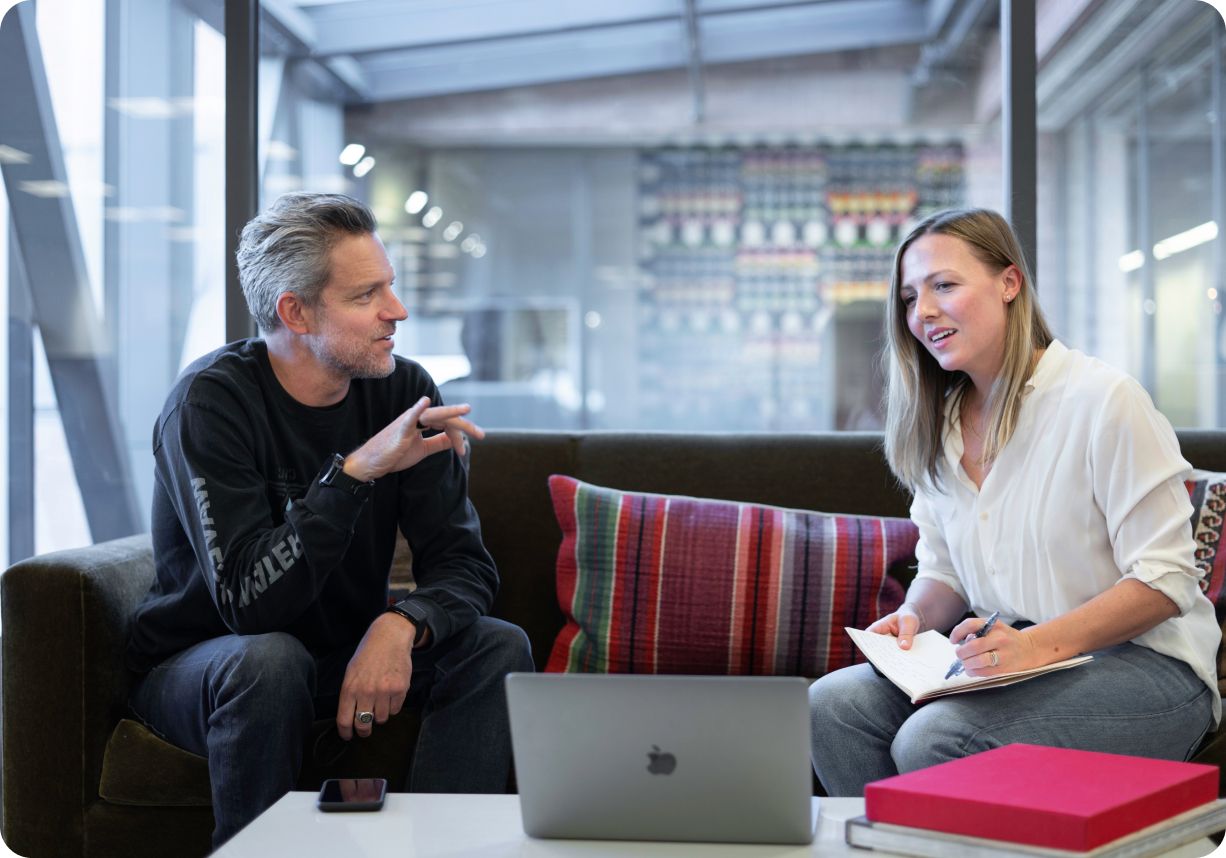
667 584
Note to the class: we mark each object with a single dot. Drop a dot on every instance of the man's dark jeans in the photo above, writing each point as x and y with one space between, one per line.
247 702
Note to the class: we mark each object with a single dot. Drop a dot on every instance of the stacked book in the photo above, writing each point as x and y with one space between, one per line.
1029 800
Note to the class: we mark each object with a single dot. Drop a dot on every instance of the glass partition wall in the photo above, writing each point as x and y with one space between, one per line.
1130 199
112 114
672 248
112 144
635 215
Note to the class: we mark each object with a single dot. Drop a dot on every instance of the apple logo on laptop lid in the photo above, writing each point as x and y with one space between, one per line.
660 762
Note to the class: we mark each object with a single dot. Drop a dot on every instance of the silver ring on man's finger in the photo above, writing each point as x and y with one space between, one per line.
995 657
364 717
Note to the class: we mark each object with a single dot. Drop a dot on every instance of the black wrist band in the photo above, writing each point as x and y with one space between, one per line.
336 478
410 614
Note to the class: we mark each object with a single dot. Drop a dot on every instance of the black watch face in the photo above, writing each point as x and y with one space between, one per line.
338 479
337 471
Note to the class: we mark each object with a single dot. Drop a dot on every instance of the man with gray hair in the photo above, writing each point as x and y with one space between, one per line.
284 466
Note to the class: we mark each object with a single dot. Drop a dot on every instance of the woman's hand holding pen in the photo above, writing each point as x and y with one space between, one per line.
1003 649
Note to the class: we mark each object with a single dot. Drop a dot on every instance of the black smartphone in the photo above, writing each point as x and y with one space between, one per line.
344 794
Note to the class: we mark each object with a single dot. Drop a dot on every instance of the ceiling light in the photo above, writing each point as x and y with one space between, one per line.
1171 245
364 166
9 155
147 107
416 202
453 230
1132 261
1185 240
47 189
432 217
352 153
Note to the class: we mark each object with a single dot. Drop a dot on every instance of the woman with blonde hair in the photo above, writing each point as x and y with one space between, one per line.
1047 489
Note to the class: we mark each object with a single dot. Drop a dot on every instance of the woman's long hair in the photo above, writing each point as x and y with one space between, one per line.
917 387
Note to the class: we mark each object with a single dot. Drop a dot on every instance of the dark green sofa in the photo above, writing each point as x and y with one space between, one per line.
81 779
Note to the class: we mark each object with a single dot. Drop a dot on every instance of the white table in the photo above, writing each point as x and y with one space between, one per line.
489 826
481 826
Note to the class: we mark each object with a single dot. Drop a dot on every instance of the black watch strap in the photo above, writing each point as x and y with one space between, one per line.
336 478
414 615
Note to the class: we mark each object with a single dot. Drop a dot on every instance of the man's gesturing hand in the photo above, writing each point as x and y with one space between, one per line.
377 678
401 445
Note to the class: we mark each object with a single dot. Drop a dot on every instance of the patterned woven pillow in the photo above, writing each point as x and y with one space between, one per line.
1207 491
667 584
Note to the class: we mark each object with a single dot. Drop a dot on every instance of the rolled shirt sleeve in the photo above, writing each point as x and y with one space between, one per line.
1139 474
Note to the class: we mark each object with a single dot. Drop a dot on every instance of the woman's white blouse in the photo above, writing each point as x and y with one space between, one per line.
1088 491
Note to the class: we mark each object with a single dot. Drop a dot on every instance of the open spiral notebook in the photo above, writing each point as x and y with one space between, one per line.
920 671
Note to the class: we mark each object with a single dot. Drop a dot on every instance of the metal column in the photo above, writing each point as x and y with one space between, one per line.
1018 124
1145 240
693 34
242 168
1090 236
581 235
21 408
1218 193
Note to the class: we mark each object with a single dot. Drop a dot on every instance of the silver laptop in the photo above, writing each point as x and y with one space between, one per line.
701 758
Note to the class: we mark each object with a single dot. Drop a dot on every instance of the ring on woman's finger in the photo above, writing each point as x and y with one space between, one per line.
364 717
995 657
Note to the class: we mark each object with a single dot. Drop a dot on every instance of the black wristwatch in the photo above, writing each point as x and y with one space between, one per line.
335 477
414 615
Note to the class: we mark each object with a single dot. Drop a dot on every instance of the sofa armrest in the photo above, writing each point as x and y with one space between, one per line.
63 630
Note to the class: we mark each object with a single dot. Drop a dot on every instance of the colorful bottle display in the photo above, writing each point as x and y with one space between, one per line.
747 255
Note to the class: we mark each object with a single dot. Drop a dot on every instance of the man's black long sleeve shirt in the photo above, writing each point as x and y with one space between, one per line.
247 541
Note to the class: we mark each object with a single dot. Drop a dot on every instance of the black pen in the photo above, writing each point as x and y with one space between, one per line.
956 667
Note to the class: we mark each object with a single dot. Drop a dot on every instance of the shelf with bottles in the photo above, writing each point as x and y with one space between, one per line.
777 280
759 262
665 234
690 197
779 296
706 294
940 175
869 217
856 274
769 317
852 291
691 337
688 279
785 199
796 349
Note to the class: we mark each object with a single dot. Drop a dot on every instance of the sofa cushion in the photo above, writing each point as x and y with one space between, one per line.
655 583
142 769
